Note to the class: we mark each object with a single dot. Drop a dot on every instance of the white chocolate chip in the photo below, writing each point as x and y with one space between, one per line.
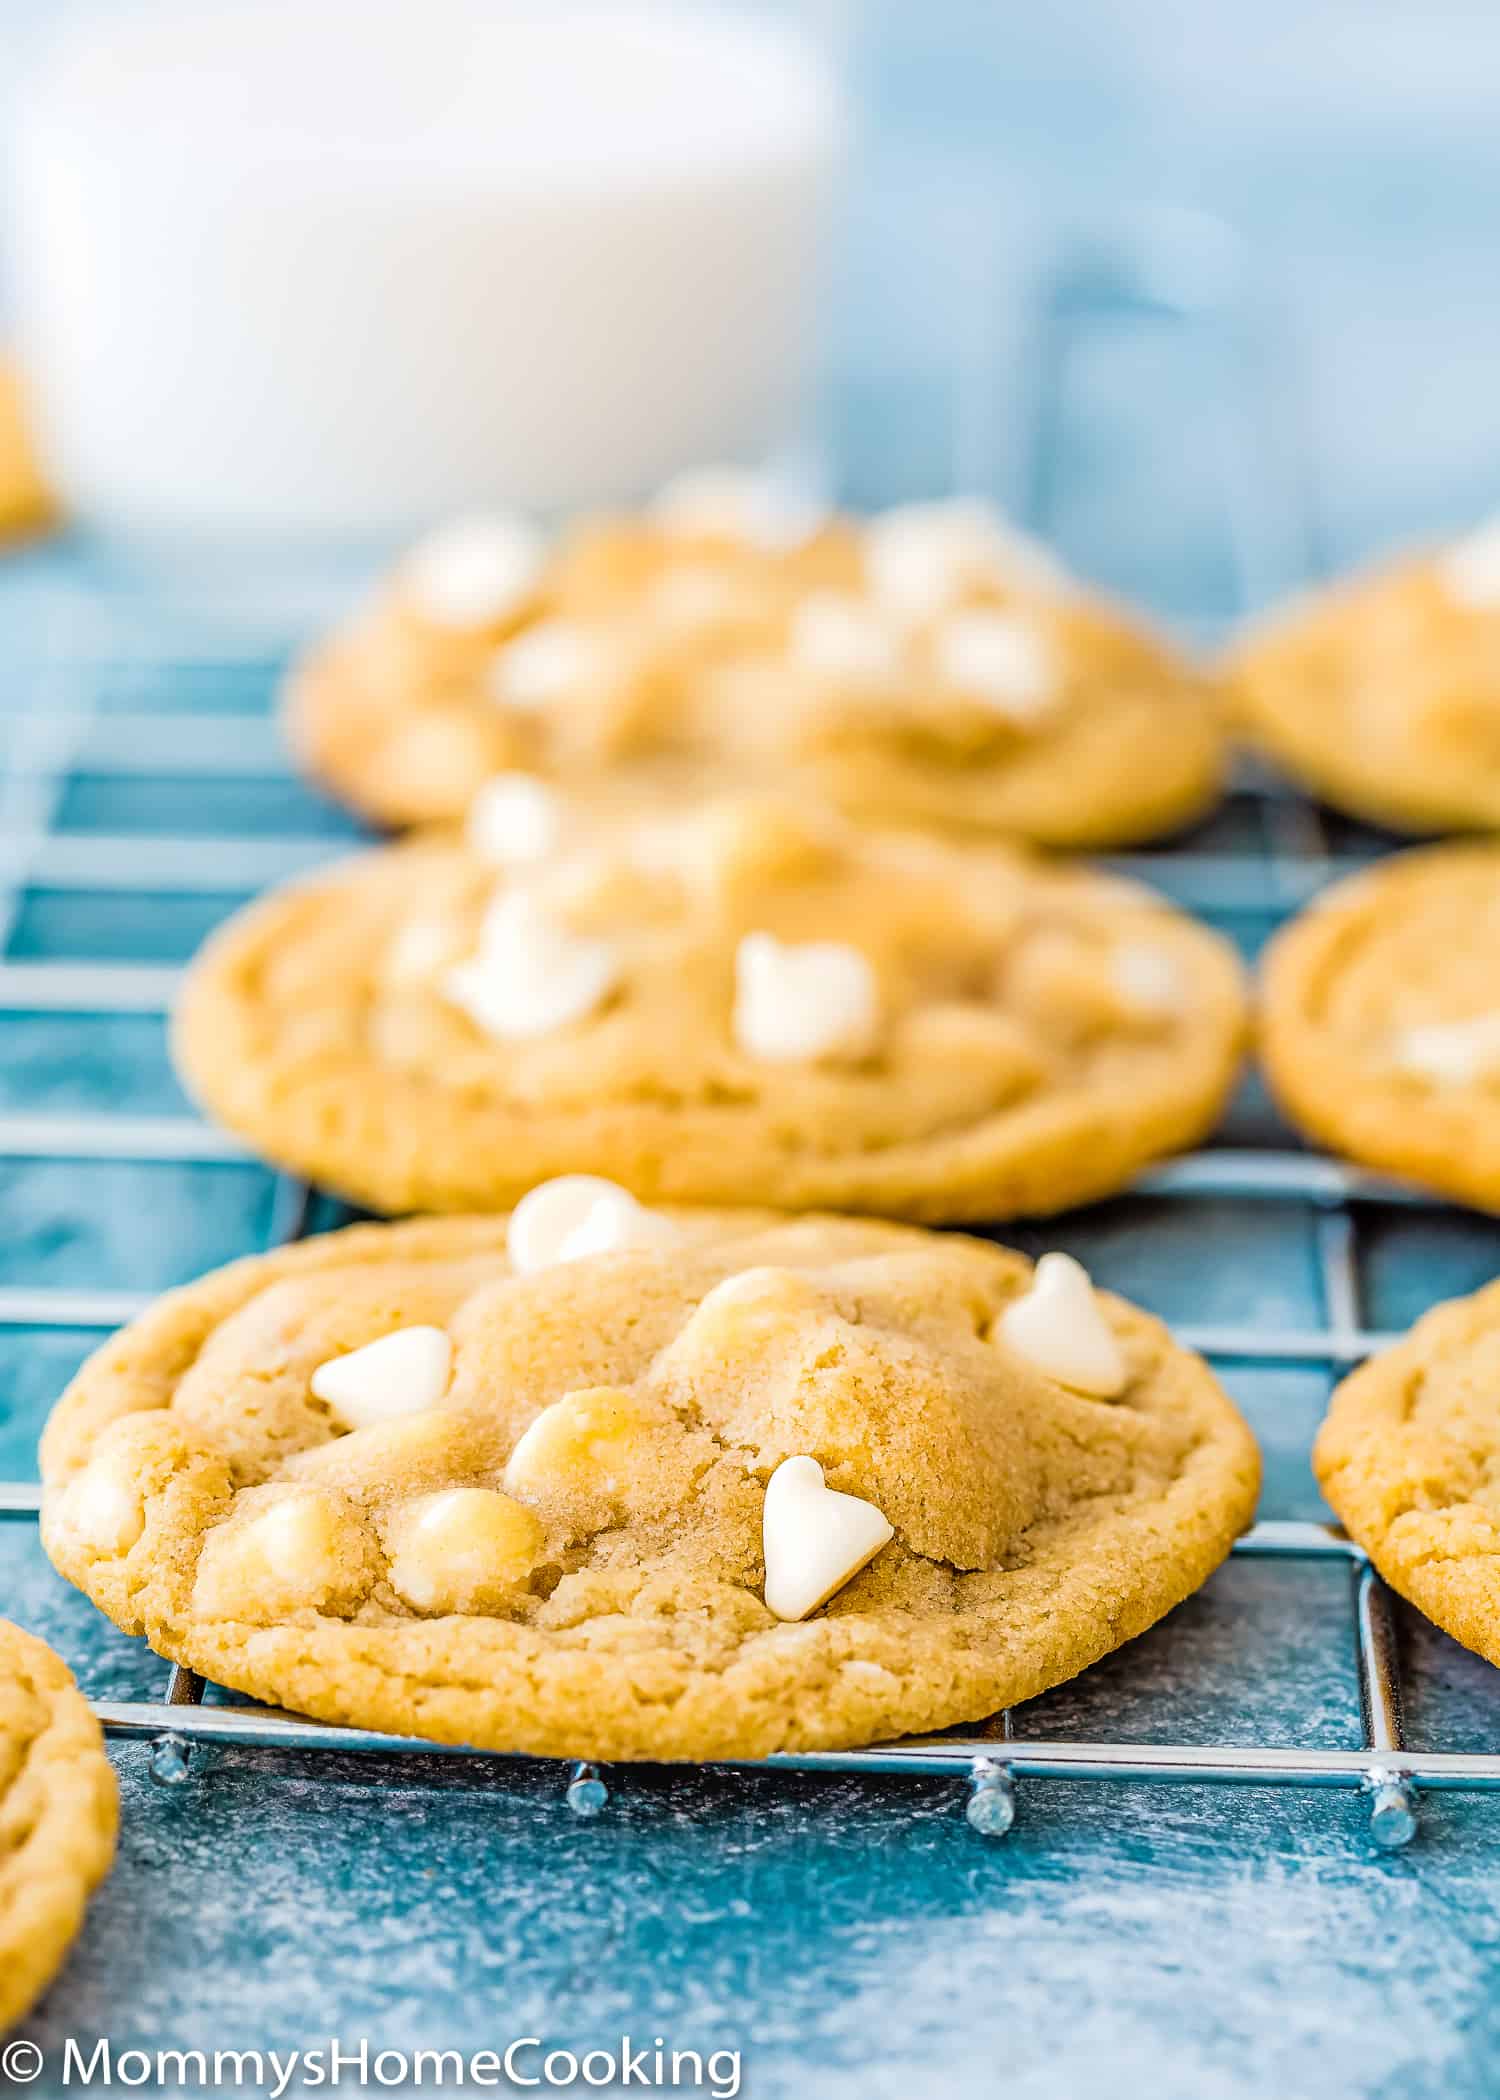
1001 658
474 572
735 504
1452 1053
764 1284
463 1550
837 635
589 1447
531 975
303 1551
515 820
615 1221
1058 1327
404 1373
797 1003
1470 568
547 1215
1147 979
539 666
815 1539
299 1538
104 1507
920 557
577 1215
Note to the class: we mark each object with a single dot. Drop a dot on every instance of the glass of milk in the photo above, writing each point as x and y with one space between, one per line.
342 267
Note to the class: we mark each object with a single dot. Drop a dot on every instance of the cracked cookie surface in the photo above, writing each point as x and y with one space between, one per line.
956 689
1409 1458
1380 1026
744 1004
58 1815
564 1554
1382 696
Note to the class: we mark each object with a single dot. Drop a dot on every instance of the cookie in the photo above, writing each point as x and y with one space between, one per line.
25 503
58 1814
744 1003
1407 1456
930 666
605 1482
1381 1019
1382 695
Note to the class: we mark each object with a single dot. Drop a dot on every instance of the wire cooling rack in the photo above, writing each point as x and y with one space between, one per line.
124 703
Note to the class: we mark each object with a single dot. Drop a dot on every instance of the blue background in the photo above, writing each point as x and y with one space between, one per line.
1320 380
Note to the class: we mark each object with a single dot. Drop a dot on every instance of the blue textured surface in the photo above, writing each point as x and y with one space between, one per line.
849 1937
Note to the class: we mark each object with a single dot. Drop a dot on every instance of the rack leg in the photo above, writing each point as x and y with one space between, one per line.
172 1756
991 1807
171 1761
1393 1802
1393 1811
587 1793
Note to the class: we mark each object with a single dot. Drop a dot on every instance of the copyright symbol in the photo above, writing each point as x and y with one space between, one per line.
21 2062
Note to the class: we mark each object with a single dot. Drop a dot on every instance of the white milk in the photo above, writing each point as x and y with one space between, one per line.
348 265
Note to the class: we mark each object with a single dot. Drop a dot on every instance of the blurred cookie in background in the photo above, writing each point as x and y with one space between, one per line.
1380 1026
752 1001
1382 694
26 504
929 665
1407 1457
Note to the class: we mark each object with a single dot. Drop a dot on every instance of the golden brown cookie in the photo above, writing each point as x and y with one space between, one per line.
58 1815
25 502
1382 695
644 1486
746 1003
928 667
1407 1456
1381 1019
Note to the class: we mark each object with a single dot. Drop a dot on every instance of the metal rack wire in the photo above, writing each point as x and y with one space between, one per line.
47 744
